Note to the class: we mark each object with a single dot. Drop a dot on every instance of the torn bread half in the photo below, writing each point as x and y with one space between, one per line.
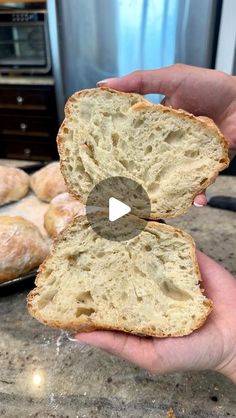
148 285
172 154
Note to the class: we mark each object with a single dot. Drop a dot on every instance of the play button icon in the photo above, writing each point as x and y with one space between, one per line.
124 208
117 209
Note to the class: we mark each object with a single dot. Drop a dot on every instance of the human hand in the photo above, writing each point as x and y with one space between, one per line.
213 346
197 90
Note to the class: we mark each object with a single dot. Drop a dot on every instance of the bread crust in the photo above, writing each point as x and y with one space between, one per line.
48 182
87 324
202 121
23 247
14 184
61 210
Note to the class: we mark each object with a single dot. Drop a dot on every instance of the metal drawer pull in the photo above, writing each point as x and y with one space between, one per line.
23 126
19 100
27 152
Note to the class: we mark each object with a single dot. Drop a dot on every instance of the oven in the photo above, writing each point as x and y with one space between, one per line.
24 41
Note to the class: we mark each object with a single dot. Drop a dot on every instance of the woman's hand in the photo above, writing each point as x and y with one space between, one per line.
213 346
197 90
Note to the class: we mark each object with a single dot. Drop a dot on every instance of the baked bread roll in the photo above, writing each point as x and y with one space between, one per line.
14 184
22 247
171 153
148 285
48 182
60 212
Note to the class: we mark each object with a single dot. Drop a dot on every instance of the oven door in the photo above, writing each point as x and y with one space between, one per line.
24 45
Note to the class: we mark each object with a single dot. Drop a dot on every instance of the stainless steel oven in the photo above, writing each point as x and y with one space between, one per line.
24 41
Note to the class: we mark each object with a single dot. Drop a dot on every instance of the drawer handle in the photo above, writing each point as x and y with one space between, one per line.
27 152
19 100
23 127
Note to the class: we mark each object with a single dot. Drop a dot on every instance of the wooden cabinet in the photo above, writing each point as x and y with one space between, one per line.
28 122
25 1
40 99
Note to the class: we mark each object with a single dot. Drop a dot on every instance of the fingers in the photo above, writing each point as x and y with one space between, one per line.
200 200
130 347
216 280
158 355
209 267
163 355
232 152
166 102
113 342
162 81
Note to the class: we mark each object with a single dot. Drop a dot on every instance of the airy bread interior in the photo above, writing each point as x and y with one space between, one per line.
172 154
147 285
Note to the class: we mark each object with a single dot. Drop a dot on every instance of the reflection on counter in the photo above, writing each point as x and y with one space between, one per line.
38 378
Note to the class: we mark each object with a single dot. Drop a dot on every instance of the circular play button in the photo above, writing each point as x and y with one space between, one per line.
124 208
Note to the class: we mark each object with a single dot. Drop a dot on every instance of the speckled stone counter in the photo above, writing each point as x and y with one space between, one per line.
44 374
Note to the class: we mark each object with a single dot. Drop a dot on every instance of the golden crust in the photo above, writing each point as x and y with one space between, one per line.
22 247
142 105
87 324
48 182
60 212
14 184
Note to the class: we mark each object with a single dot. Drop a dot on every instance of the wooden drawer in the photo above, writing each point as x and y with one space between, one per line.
28 150
37 98
26 127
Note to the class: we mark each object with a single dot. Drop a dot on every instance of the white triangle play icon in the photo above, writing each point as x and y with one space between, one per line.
117 209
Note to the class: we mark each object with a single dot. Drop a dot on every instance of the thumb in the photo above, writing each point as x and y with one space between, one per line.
162 81
130 347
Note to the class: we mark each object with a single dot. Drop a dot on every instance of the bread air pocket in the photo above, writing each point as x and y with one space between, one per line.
148 284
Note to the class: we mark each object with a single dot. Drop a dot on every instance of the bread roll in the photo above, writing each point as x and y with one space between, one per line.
22 247
61 211
48 182
14 184
148 285
171 153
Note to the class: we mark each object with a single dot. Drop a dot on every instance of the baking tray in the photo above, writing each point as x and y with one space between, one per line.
20 283
27 280
31 168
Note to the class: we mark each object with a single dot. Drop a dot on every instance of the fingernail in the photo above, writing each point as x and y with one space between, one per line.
105 81
71 336
197 205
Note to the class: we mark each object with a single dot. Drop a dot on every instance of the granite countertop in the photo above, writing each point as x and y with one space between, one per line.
44 374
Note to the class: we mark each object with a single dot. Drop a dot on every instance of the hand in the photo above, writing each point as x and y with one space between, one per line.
213 346
197 90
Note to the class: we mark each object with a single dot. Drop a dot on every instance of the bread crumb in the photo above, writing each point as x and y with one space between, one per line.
170 413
